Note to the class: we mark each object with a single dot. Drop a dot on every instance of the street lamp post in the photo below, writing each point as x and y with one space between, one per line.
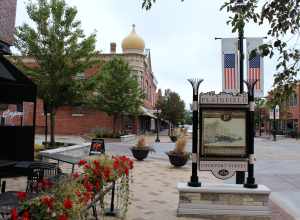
194 178
239 6
274 124
250 183
158 111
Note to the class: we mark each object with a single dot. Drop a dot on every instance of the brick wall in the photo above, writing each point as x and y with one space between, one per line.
7 20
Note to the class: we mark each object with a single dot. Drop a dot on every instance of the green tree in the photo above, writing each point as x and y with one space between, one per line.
188 117
60 49
282 19
172 107
117 91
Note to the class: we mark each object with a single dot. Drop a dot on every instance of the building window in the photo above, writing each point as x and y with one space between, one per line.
292 100
146 90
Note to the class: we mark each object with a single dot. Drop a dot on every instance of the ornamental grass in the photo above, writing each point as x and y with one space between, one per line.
68 198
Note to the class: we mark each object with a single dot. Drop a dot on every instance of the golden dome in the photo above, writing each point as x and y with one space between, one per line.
133 42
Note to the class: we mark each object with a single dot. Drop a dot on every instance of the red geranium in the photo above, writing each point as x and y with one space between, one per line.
82 162
21 196
14 214
75 175
48 201
116 164
68 203
63 217
88 186
26 215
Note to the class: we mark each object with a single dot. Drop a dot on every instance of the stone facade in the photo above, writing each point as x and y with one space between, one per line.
224 201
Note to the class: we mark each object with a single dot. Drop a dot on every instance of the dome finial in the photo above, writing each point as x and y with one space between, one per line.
133 27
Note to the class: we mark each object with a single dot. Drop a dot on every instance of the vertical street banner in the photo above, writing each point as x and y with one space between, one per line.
230 73
255 66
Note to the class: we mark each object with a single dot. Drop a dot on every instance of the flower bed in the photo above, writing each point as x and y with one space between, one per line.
70 198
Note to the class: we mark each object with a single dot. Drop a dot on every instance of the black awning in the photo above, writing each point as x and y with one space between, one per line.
15 87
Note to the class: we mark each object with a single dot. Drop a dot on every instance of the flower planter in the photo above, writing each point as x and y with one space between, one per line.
177 160
140 154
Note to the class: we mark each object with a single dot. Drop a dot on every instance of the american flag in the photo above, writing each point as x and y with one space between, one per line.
229 72
254 71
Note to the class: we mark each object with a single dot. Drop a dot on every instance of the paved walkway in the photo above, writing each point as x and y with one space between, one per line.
154 193
154 186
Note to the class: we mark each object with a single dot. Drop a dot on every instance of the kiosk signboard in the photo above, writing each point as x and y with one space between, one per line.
97 146
223 133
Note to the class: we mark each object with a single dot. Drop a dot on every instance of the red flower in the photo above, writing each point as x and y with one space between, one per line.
21 196
87 166
62 217
82 162
106 173
97 163
68 203
26 215
75 175
97 185
48 201
78 193
126 171
88 186
130 164
116 164
14 214
45 184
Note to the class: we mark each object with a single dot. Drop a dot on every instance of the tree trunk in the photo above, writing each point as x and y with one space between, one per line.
52 128
122 124
115 117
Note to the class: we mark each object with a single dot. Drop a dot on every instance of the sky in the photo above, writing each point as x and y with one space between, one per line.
180 35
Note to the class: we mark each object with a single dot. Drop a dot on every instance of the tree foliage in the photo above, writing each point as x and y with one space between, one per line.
60 49
172 107
116 90
282 19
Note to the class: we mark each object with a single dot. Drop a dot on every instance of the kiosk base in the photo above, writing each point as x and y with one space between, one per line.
224 202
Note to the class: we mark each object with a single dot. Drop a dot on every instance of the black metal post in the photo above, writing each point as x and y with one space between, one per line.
157 126
241 58
259 122
240 175
250 179
274 124
111 211
194 178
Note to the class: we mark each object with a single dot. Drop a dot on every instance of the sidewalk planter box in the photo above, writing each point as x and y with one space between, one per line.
177 160
140 153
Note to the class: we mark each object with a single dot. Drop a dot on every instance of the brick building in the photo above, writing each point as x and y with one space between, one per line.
289 116
81 120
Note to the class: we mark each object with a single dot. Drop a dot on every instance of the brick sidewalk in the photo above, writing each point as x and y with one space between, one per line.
153 190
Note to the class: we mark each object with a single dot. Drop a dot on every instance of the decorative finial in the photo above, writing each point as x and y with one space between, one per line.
195 84
250 85
133 28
